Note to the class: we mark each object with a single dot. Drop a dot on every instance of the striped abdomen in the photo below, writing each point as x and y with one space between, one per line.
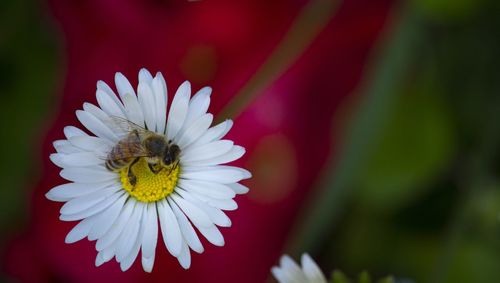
123 154
117 164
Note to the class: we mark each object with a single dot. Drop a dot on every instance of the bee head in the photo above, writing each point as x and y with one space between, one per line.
171 154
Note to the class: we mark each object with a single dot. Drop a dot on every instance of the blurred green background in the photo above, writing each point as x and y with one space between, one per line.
29 66
415 191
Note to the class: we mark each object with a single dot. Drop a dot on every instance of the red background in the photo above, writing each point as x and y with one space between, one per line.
286 129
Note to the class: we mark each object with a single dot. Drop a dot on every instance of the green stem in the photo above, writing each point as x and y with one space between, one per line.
323 209
311 20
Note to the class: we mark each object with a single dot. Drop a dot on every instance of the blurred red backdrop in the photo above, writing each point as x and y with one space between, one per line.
286 129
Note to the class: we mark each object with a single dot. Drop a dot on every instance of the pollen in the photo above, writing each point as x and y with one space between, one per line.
150 187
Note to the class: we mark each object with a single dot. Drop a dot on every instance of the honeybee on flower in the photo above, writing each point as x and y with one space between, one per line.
146 165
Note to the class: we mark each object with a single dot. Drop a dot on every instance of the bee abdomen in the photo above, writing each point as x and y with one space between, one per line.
116 164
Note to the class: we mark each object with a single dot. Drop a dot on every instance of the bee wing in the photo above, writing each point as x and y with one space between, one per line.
133 153
125 126
102 153
132 150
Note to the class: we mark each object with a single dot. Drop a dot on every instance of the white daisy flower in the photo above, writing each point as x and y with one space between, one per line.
291 272
120 188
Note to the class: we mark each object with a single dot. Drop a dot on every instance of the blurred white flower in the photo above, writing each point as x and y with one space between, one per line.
291 272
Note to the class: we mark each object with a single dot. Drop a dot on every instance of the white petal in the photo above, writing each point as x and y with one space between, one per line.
133 110
290 277
105 255
63 146
311 270
187 229
224 204
82 203
147 102
206 151
178 110
198 105
279 274
184 257
213 203
219 174
147 263
238 188
170 228
80 231
228 125
288 264
201 220
150 236
216 215
194 131
93 209
89 143
213 235
96 111
88 175
96 126
123 85
160 92
79 159
106 218
235 153
71 131
104 87
130 258
214 190
128 237
215 133
289 272
68 191
145 76
109 105
56 159
117 226
194 213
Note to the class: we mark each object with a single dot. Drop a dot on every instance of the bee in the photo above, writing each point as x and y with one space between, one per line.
159 152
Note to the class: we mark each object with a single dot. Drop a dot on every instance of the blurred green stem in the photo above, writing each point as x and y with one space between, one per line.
391 69
308 24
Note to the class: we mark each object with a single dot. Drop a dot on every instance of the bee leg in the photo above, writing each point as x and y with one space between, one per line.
173 167
131 177
152 168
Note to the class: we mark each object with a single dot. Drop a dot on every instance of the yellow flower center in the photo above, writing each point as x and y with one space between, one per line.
150 187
